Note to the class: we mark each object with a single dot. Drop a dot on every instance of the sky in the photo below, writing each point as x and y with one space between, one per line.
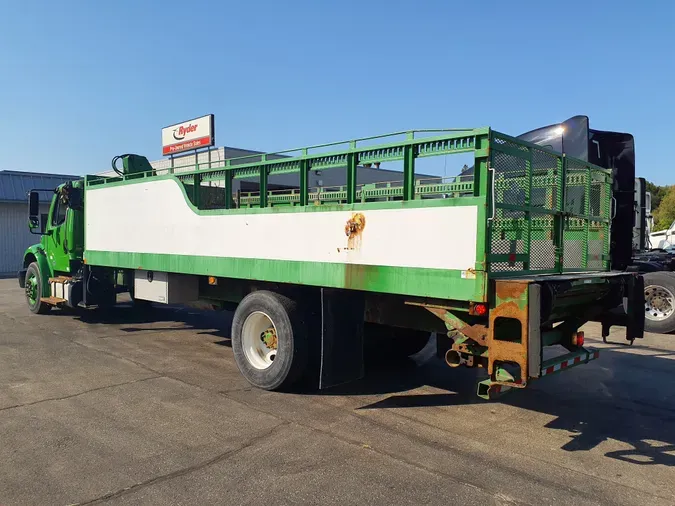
83 81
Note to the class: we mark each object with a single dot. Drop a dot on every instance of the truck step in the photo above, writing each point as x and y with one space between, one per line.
557 364
54 301
60 279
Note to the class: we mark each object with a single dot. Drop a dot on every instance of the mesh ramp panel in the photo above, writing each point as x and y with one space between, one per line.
526 195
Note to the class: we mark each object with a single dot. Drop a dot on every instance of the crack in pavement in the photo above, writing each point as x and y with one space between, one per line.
182 472
70 396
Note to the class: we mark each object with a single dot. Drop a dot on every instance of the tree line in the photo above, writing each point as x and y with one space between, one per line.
663 205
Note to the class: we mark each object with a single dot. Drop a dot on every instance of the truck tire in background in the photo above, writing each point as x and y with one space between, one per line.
385 341
33 288
269 340
659 302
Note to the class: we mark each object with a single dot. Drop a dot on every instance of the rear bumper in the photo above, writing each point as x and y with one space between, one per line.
532 313
594 296
21 276
489 390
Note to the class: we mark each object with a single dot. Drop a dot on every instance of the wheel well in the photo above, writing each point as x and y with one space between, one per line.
29 259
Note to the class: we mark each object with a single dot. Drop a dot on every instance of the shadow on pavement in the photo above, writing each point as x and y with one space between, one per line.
634 403
625 396
399 376
129 318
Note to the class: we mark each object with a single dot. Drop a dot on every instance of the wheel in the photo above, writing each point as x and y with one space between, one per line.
269 340
393 342
33 290
659 302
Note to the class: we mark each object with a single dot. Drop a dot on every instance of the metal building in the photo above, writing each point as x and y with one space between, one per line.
14 234
215 157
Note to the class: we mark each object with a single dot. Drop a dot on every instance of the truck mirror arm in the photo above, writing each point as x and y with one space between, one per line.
46 232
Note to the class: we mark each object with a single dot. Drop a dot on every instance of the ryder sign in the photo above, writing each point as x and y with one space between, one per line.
192 134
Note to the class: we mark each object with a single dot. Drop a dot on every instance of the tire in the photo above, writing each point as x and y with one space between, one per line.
33 290
259 317
659 302
393 342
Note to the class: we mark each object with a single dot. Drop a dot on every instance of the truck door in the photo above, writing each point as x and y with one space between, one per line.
57 247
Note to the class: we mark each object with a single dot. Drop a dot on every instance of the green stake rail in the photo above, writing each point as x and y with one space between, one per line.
546 212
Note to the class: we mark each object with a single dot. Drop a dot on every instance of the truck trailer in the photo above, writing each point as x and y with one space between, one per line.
656 261
505 265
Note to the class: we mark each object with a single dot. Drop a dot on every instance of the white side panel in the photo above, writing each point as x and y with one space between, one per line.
165 287
155 288
153 217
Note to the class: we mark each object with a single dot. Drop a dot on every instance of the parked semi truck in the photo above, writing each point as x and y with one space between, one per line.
616 151
653 258
504 265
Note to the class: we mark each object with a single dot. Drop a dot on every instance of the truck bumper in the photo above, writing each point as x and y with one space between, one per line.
490 390
531 314
21 276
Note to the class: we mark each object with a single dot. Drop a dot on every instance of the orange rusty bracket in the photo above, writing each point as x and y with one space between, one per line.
511 302
476 332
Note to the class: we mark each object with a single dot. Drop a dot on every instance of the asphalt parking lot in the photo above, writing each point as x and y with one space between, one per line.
149 408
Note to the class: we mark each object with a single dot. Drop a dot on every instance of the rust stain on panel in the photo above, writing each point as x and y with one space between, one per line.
512 303
508 290
359 277
354 230
511 310
356 275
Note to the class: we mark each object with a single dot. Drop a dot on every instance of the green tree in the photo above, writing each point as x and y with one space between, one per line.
664 214
658 192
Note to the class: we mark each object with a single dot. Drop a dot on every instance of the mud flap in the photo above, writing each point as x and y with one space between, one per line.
341 316
21 276
631 314
635 326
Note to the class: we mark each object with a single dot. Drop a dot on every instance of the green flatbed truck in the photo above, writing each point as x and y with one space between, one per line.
501 265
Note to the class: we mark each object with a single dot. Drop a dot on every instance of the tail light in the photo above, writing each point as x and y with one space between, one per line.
479 309
578 339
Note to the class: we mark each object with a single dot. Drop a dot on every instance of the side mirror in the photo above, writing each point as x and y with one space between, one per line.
33 203
33 210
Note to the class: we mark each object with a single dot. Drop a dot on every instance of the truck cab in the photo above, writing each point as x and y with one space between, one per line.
663 239
61 246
